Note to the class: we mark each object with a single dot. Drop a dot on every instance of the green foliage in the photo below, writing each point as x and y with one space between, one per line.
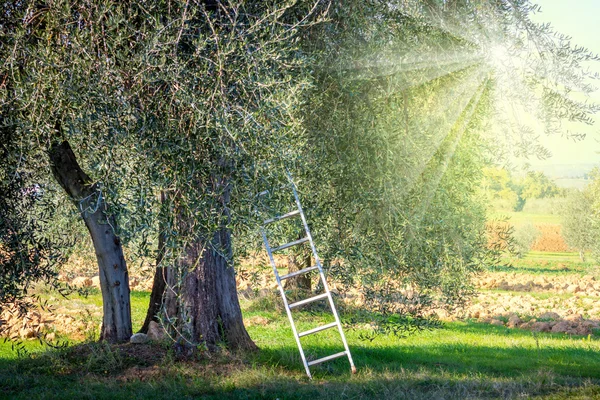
536 185
28 253
581 217
396 199
577 222
524 236
508 193
384 113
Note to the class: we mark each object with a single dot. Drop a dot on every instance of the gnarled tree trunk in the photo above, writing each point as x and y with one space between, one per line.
208 294
114 279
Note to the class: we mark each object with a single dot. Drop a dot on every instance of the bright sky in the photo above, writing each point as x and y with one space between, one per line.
580 20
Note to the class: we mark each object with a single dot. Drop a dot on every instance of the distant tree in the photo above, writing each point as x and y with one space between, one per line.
524 236
536 185
498 184
578 226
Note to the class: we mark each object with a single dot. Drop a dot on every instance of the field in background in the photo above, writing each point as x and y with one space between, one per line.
572 183
552 256
544 216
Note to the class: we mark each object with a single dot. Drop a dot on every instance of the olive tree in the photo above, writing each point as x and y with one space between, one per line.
121 102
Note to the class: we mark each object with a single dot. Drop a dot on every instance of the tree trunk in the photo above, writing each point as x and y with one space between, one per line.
302 282
159 282
159 285
209 301
114 279
582 255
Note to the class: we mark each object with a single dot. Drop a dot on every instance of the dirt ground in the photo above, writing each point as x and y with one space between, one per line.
562 303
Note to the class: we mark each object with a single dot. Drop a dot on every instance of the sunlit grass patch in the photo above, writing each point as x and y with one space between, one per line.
547 263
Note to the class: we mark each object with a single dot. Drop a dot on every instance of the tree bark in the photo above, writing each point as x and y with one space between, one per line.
159 282
209 301
302 282
159 285
114 279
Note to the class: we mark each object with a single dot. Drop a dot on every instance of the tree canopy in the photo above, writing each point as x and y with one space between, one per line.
384 112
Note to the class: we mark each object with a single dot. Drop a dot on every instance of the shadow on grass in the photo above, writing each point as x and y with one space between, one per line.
463 358
410 369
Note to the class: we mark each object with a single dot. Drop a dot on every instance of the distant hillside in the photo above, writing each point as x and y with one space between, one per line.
565 171
571 183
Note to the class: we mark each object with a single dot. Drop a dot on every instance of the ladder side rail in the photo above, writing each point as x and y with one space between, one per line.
285 302
322 274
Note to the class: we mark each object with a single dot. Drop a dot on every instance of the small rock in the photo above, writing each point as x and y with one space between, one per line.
574 318
582 329
27 333
541 327
513 321
591 324
96 282
573 289
550 315
133 282
139 338
81 281
526 325
497 322
155 331
561 327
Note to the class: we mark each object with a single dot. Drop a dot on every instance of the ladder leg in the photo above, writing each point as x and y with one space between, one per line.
327 293
285 303
322 275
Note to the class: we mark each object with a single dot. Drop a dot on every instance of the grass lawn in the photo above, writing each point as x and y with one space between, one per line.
549 264
460 360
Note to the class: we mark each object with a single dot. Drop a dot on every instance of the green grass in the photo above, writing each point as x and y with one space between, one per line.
549 264
553 256
461 360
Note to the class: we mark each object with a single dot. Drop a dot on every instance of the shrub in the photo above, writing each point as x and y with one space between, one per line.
524 237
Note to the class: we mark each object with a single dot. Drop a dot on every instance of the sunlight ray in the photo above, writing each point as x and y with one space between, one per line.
419 78
451 149
449 119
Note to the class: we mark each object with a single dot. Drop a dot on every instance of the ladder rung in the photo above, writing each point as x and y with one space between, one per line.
317 329
280 217
302 271
309 300
290 244
331 357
